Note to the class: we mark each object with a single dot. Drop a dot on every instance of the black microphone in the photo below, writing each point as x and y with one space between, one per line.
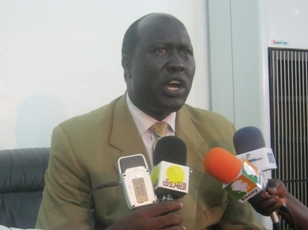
249 143
170 176
171 149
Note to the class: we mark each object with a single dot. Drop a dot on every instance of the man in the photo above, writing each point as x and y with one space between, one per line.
267 202
159 66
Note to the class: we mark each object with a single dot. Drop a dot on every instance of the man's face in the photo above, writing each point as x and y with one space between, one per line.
162 68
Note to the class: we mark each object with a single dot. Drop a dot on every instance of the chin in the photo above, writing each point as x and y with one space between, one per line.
173 106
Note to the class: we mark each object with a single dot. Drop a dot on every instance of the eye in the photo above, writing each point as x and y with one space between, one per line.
161 50
186 52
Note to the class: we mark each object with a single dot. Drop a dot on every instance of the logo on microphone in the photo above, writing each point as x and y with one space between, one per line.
250 158
247 184
175 177
171 177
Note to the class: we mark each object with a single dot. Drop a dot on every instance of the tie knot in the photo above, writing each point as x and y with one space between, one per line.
159 129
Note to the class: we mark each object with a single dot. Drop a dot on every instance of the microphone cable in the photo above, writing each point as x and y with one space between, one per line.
106 185
285 208
276 226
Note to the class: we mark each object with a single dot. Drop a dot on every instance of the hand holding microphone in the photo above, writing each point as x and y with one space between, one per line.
249 142
170 179
270 200
276 195
139 194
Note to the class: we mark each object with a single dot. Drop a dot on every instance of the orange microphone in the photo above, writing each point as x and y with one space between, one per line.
222 165
240 178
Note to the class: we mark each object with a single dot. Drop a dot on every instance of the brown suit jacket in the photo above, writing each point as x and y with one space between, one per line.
84 154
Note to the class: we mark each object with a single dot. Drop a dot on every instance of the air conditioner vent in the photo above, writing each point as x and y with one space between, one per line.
288 73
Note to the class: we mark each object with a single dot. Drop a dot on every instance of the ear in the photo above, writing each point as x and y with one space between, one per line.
126 64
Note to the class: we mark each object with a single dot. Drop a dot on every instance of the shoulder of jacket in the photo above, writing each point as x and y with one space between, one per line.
99 115
198 113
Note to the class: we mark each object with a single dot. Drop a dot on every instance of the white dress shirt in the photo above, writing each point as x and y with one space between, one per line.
144 122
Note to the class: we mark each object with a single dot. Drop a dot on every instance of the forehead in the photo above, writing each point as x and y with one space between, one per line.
164 29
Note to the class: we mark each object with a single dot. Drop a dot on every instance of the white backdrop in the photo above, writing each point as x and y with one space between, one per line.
287 23
62 58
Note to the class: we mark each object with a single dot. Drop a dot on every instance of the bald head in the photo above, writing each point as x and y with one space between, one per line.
159 20
132 36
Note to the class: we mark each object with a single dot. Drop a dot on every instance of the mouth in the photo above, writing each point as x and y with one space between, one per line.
173 85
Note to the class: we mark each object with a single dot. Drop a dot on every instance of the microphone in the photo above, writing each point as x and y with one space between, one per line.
170 176
240 178
136 181
249 143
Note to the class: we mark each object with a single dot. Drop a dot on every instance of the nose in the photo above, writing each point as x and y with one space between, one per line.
175 63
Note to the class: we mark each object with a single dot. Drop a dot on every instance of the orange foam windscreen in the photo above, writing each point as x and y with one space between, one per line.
222 165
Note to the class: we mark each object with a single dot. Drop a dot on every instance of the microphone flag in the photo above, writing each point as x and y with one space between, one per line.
170 178
247 184
262 158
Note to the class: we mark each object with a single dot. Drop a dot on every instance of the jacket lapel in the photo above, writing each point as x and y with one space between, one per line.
124 135
186 130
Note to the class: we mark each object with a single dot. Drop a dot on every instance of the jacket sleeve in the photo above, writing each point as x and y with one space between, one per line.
64 203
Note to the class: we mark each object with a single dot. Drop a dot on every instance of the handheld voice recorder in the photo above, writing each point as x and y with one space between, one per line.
136 181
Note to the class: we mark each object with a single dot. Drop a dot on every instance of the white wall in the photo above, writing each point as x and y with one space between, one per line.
237 61
61 58
287 23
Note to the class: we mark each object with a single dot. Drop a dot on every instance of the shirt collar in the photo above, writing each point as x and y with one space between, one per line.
144 121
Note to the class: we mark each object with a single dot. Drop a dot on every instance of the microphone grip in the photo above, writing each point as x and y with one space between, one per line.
275 220
167 197
274 215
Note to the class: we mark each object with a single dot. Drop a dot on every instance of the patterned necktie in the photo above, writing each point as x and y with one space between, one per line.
159 129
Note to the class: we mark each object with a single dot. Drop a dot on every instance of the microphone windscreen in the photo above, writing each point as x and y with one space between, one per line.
171 149
248 139
222 165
